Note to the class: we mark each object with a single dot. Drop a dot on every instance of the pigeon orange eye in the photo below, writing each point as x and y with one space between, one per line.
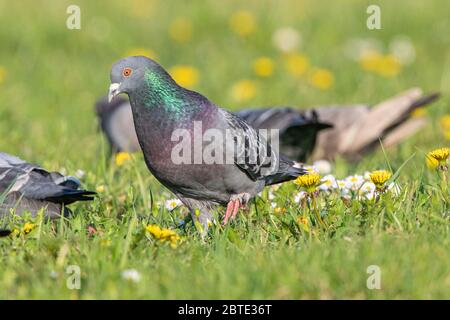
127 72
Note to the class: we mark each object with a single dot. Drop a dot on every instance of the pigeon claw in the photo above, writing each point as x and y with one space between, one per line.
236 202
232 210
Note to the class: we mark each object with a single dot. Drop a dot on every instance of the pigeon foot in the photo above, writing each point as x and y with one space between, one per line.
236 201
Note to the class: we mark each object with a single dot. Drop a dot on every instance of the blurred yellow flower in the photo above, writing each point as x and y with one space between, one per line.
243 23
2 74
142 8
322 79
445 122
438 158
163 235
445 125
243 90
309 181
296 64
184 75
419 113
180 30
384 65
100 188
389 66
279 210
379 178
263 66
121 157
141 52
370 60
28 227
303 222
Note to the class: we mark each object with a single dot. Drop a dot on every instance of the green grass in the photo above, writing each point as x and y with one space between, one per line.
54 76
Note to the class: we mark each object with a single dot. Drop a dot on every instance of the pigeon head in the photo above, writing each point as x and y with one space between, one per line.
130 73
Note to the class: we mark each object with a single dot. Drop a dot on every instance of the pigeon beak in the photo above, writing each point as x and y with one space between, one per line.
114 90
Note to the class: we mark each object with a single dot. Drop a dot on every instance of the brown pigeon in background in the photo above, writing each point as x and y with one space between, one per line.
322 132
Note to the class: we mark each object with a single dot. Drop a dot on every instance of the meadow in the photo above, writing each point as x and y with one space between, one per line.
238 54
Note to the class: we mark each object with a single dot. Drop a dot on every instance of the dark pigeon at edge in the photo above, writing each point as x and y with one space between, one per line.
25 187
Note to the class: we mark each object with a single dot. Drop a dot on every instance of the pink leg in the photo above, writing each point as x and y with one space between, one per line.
229 211
237 204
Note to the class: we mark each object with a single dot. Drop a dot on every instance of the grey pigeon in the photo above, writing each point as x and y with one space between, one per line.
161 108
27 187
351 131
116 121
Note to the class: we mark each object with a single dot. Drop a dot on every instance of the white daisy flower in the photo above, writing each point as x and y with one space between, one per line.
310 169
355 181
80 174
171 204
366 176
322 166
131 275
273 204
328 182
286 39
299 196
367 190
275 187
403 49
344 186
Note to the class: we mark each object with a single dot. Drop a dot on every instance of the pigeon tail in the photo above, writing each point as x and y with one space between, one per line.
286 172
68 196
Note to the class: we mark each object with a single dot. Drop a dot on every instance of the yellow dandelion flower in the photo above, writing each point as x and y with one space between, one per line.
419 113
180 30
431 162
2 74
243 23
309 181
279 210
438 158
28 227
141 52
379 178
100 188
447 134
322 79
184 75
302 220
121 157
296 64
163 235
263 67
444 121
370 60
445 125
389 66
243 90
